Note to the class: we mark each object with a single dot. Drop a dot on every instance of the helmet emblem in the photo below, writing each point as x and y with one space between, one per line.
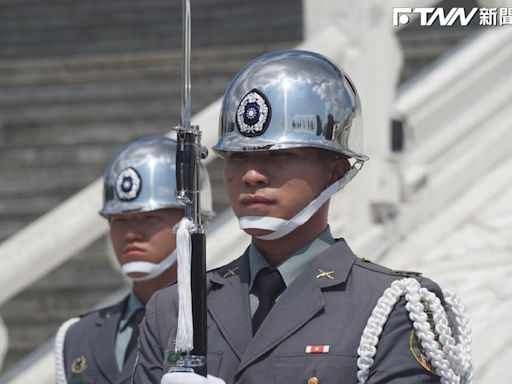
128 184
253 114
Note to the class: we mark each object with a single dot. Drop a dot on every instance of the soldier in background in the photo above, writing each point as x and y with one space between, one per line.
141 208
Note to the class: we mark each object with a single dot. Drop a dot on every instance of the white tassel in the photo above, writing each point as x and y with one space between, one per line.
185 331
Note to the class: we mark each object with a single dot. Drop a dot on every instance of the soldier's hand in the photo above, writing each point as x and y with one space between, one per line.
189 378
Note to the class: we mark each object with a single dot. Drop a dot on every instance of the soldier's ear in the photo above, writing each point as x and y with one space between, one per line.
339 167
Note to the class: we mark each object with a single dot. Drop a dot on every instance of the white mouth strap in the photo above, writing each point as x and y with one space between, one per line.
281 227
152 270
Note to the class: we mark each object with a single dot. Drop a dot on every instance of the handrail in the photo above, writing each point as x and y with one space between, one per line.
54 238
457 119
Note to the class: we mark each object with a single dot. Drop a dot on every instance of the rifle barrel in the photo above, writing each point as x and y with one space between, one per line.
186 102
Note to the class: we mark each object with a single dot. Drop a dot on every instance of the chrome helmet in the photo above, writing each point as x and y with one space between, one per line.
289 99
142 177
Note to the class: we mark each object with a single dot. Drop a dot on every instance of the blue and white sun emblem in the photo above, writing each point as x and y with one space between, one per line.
253 114
128 184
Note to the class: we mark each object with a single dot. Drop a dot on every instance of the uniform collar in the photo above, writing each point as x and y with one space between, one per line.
294 264
133 304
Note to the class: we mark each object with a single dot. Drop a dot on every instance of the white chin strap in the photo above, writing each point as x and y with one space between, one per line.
151 270
281 227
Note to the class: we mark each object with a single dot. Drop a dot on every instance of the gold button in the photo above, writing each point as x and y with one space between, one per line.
313 380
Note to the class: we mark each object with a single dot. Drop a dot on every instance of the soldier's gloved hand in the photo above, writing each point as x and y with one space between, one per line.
189 378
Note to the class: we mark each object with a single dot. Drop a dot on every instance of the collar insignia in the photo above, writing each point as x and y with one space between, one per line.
230 272
325 274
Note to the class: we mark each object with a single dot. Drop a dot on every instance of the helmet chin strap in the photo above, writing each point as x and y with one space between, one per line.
281 227
151 270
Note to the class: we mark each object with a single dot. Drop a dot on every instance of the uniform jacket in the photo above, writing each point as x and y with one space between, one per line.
89 349
314 310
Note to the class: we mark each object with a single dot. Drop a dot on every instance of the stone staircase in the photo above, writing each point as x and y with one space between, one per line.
31 28
61 121
80 79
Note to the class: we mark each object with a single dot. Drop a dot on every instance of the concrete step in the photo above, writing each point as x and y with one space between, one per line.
64 28
40 117
10 225
88 132
31 205
23 157
70 15
81 109
124 67
42 180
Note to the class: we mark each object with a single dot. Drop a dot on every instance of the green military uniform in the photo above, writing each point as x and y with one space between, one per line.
95 347
312 332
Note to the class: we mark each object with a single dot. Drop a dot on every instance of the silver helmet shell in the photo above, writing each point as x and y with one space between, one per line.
290 99
142 177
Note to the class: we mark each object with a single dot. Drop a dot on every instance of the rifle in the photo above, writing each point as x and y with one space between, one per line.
189 153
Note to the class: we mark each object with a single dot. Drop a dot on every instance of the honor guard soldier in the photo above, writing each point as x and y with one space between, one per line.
141 208
298 306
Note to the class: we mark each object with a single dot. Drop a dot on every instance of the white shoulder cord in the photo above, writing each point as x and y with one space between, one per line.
60 370
450 354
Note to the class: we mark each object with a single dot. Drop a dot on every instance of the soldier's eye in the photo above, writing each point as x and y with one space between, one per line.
117 220
282 153
152 218
237 155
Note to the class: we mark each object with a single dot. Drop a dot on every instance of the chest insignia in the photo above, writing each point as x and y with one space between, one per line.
317 349
79 365
416 350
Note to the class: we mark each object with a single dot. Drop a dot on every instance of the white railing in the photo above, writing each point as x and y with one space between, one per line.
458 127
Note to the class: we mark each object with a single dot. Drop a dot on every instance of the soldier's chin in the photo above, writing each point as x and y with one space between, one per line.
257 232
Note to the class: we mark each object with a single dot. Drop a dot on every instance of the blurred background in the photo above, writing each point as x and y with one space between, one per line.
79 79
